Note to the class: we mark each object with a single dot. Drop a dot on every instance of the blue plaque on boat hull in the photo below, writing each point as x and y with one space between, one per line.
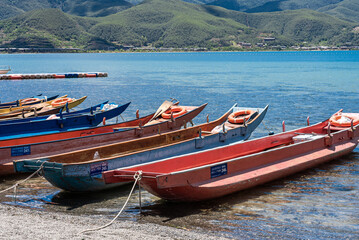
98 168
20 151
219 170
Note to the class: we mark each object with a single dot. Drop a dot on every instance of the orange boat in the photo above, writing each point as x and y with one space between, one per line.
62 142
220 171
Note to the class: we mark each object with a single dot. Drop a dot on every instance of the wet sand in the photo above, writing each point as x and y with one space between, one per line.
20 223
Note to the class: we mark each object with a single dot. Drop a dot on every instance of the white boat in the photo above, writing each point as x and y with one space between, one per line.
4 69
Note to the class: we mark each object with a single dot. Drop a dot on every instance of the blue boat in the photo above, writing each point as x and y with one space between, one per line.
62 114
82 170
58 124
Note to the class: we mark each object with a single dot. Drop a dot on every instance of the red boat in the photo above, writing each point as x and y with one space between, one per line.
224 170
61 142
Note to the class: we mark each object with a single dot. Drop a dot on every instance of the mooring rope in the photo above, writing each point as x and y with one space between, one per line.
22 181
137 177
270 132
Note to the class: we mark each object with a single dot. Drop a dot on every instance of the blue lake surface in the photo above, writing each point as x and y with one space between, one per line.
321 203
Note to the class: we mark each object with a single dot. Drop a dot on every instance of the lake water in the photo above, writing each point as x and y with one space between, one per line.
321 203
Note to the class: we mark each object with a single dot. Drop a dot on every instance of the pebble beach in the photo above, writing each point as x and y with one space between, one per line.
21 223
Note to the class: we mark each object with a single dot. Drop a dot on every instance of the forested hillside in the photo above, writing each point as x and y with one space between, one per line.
175 24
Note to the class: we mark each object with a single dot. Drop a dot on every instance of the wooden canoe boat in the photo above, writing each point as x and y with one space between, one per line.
36 106
15 110
41 109
81 170
220 171
27 101
89 110
59 143
63 123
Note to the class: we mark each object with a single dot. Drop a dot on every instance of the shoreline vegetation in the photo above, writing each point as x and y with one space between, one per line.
177 50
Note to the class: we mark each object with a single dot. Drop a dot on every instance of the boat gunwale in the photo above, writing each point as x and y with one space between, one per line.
72 131
145 138
94 127
107 145
255 154
187 154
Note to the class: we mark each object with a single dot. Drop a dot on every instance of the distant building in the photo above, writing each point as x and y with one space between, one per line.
128 47
269 39
245 45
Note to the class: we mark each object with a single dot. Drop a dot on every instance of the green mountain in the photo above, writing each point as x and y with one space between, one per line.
135 2
344 9
167 23
173 23
90 8
50 28
297 26
272 5
94 8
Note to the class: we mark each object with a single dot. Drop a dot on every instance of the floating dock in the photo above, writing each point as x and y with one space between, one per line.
50 75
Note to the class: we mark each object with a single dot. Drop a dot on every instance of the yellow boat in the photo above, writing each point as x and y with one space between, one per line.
36 106
46 108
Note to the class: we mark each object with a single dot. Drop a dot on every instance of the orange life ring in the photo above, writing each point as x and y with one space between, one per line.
175 111
29 100
60 101
336 121
240 116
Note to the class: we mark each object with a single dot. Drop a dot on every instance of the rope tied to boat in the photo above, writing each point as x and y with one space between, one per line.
22 181
137 176
270 132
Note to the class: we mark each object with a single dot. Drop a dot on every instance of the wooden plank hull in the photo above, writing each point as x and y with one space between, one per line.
81 171
222 171
72 141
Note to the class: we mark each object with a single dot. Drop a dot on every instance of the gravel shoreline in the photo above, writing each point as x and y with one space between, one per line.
20 223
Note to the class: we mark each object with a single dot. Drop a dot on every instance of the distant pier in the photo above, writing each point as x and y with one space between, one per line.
51 75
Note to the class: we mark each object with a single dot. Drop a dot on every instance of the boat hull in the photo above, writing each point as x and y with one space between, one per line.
87 176
17 129
241 166
244 180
